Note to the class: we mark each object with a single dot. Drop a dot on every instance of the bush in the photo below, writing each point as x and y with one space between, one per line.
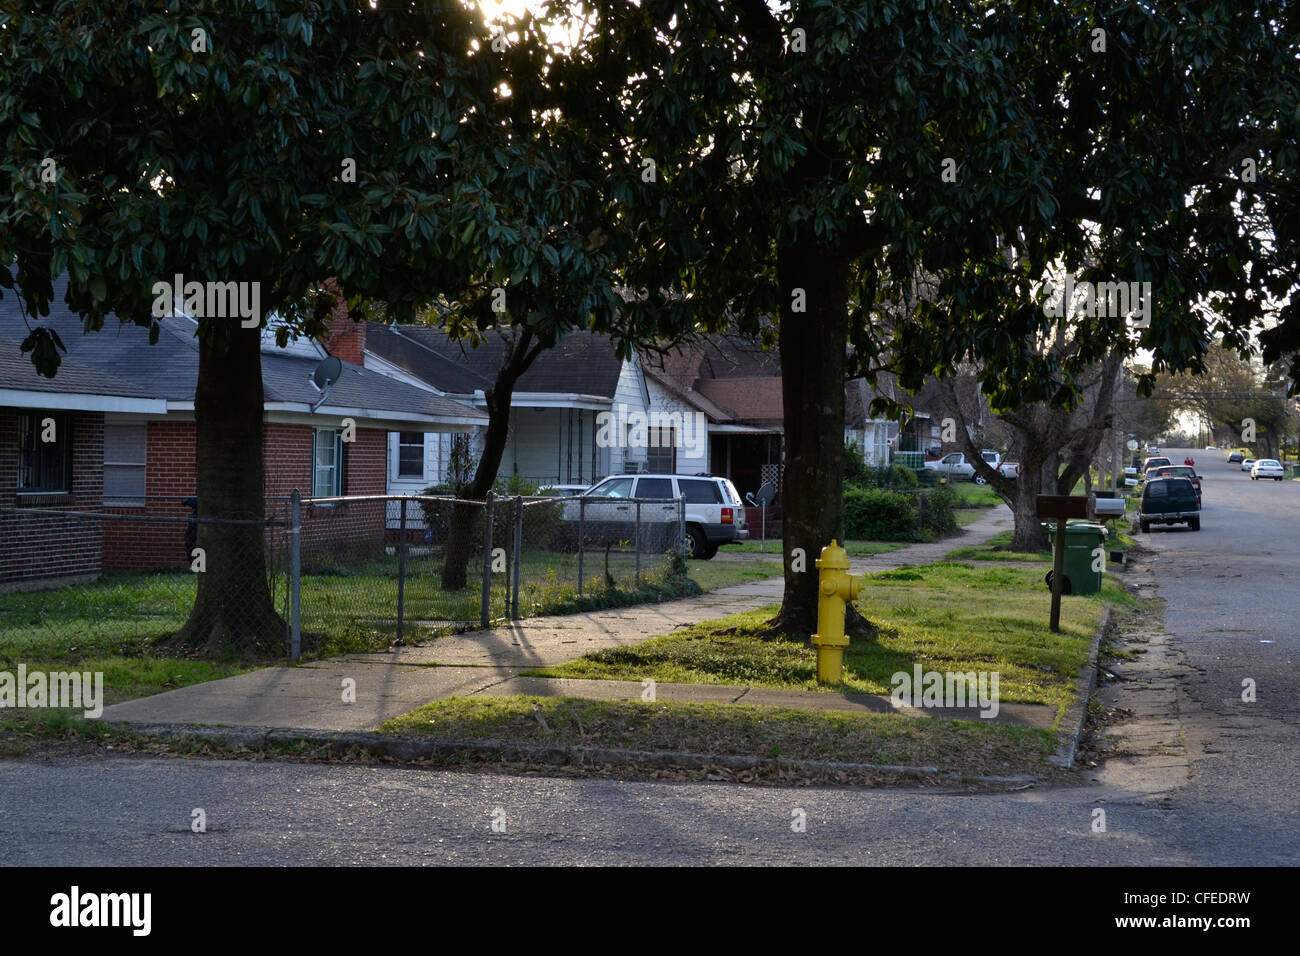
542 522
873 514
937 515
856 468
887 476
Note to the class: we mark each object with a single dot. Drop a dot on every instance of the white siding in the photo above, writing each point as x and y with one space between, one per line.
631 392
692 438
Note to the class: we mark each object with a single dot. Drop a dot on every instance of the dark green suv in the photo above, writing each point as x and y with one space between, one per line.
1169 501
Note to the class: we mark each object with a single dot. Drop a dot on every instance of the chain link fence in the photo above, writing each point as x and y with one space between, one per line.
348 573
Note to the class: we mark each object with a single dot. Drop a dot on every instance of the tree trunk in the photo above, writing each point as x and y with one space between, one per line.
1029 534
233 611
812 374
464 518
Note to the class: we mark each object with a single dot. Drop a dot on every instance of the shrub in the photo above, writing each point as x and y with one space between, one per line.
874 514
542 521
856 468
937 515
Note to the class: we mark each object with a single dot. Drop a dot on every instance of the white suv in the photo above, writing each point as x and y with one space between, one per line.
714 513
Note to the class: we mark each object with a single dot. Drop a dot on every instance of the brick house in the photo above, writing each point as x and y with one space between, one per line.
113 433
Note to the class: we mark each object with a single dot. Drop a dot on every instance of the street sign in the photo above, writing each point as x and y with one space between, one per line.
1132 445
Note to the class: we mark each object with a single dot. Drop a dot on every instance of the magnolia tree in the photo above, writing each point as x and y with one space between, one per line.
265 147
803 163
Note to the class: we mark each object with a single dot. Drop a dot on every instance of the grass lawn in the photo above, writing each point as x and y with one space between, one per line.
114 625
995 549
968 516
972 495
946 617
962 747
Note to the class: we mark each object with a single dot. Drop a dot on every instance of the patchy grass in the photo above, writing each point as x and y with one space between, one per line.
997 548
709 575
855 548
968 516
960 747
972 495
943 616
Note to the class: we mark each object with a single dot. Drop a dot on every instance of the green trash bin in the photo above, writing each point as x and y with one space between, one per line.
1082 538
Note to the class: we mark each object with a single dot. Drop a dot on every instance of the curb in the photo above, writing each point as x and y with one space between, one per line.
1085 684
450 751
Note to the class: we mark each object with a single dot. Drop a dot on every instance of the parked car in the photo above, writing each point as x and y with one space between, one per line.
1267 468
563 491
715 515
1153 449
1211 447
1154 462
1235 457
1247 464
1169 501
1009 469
1181 471
955 465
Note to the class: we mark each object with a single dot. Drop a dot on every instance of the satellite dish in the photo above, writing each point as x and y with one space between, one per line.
766 493
327 372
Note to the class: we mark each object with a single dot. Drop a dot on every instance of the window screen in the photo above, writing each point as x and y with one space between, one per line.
125 449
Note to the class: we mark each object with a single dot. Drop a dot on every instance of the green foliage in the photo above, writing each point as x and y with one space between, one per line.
937 514
856 468
879 515
542 520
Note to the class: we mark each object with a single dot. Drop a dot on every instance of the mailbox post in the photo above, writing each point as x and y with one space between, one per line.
1062 508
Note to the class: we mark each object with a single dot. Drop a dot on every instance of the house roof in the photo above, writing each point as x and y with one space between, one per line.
118 360
582 363
756 399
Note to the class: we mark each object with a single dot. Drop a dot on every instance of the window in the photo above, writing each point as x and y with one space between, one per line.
124 463
699 491
662 454
410 454
44 453
614 488
654 488
327 463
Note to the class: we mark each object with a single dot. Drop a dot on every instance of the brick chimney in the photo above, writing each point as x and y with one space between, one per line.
344 339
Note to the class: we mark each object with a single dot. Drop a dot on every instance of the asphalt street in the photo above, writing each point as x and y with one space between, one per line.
1230 593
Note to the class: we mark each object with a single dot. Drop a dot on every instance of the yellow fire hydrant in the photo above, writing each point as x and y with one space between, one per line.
837 587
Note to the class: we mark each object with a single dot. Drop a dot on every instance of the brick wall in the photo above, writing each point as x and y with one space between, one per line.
330 534
170 475
37 547
345 339
341 534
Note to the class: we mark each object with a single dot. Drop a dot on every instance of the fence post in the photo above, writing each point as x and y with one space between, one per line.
401 568
920 512
484 604
636 542
295 576
582 515
517 534
681 525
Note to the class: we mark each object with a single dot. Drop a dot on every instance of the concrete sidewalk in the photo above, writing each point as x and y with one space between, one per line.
391 683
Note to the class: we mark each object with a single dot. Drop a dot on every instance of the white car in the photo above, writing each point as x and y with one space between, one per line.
956 466
1247 464
1267 468
715 514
